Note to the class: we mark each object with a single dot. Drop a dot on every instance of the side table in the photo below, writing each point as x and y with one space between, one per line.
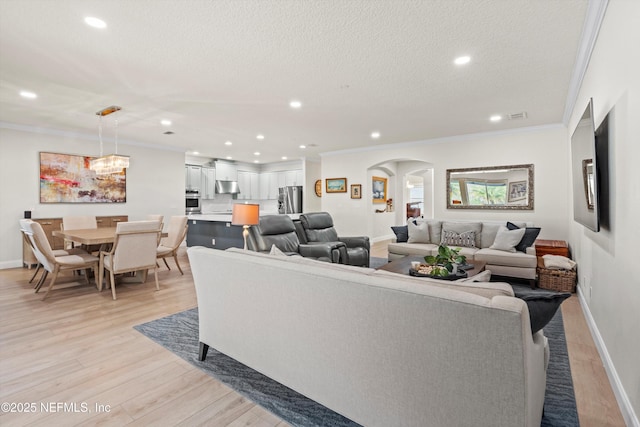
553 247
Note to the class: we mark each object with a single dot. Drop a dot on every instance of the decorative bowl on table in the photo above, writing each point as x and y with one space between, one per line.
436 272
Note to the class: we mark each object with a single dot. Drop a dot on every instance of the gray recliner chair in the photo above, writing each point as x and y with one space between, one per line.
318 228
280 231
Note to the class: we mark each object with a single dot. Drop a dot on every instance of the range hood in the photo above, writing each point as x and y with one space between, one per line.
227 187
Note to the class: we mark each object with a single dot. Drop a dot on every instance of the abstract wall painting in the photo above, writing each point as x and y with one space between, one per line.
66 178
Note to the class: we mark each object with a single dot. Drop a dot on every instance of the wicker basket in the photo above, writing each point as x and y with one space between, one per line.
557 280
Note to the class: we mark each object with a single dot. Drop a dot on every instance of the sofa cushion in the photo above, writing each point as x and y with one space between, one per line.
401 232
489 232
461 227
465 239
506 239
276 252
423 249
530 235
542 304
512 259
484 276
418 233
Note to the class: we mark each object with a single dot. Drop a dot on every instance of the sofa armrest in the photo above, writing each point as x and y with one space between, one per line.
531 250
329 250
356 242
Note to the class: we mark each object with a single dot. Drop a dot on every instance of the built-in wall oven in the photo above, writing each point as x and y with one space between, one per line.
193 202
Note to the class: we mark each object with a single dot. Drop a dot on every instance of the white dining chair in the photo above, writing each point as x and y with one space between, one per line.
56 252
54 264
134 250
78 223
169 245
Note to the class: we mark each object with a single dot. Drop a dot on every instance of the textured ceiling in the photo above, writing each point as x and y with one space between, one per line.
226 70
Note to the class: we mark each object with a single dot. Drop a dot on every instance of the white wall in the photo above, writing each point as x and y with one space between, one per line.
608 260
155 184
312 173
545 147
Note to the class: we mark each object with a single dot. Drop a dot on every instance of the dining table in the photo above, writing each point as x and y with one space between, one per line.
104 236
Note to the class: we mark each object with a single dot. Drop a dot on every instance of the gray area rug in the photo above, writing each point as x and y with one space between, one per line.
179 334
377 262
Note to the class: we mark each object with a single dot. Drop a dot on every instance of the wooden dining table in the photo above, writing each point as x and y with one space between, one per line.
93 236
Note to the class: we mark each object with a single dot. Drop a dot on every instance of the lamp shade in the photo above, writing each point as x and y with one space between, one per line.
245 214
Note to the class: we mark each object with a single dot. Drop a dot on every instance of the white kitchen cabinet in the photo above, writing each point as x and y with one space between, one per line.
293 177
208 179
249 186
193 175
226 171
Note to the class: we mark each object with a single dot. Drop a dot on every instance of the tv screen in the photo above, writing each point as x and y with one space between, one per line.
584 171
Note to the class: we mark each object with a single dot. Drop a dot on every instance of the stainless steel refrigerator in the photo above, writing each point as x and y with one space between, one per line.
290 199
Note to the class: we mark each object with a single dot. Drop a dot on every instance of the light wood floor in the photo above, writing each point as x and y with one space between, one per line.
79 346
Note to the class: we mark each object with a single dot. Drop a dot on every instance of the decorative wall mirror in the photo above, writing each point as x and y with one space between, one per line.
492 187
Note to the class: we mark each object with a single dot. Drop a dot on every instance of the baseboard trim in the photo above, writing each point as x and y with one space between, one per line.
630 417
10 264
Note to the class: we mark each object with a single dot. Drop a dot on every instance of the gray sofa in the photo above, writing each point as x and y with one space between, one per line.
380 348
501 263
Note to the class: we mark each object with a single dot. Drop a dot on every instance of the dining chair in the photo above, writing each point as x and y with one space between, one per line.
159 218
134 249
56 252
54 264
78 223
169 245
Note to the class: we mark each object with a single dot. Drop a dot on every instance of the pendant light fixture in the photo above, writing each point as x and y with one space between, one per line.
112 163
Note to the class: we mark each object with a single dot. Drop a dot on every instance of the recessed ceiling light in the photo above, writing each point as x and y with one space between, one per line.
461 60
165 122
256 161
195 152
95 22
257 153
375 135
295 104
229 157
284 157
303 146
260 136
495 118
27 94
228 143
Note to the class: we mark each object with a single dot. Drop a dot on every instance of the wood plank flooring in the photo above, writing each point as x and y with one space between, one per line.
79 346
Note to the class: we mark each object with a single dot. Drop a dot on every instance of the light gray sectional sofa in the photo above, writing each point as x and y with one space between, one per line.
380 348
501 263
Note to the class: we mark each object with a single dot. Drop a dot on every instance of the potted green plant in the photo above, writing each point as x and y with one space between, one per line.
445 261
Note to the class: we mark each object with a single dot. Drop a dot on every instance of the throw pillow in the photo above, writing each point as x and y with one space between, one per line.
461 227
275 251
485 276
542 306
418 233
530 235
464 240
506 239
401 232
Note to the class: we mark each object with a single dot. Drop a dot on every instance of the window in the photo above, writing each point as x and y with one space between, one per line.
478 192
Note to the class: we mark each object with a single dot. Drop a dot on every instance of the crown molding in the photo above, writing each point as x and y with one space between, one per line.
85 136
592 22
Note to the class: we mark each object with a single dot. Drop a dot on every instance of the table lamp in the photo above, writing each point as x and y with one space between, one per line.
246 215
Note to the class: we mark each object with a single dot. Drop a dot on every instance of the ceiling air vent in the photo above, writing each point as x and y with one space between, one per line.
168 132
517 116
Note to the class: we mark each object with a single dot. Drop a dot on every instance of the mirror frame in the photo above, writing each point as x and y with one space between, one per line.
530 183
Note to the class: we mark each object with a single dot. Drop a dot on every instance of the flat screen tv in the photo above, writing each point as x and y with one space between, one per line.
585 171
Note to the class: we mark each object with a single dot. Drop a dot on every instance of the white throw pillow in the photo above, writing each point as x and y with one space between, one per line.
506 240
418 233
275 251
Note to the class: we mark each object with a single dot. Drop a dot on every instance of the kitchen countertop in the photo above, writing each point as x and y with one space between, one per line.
226 216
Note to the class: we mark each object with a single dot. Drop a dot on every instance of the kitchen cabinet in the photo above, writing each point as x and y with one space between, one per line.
193 177
293 177
208 184
271 181
249 186
226 171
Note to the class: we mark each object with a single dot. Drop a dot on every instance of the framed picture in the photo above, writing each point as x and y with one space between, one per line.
379 186
517 191
66 178
356 191
336 185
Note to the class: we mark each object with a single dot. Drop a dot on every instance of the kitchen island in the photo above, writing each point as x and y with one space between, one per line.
214 230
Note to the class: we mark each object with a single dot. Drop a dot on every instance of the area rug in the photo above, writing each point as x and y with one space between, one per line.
377 262
179 334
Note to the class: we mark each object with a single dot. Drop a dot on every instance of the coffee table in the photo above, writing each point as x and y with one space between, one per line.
402 265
